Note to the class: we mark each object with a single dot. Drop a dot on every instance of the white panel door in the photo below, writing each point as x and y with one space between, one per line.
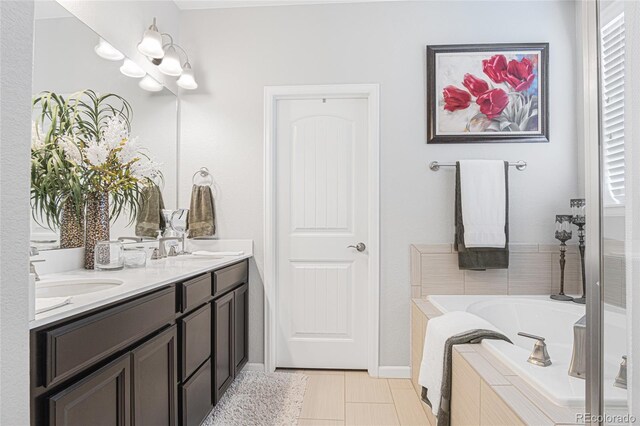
322 208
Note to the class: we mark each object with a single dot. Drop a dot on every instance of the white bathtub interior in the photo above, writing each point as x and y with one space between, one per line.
554 321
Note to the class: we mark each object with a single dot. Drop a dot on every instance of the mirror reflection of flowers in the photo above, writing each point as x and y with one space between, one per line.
509 104
115 160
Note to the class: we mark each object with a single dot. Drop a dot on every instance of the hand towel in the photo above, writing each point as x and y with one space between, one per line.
217 253
483 202
480 258
150 218
442 334
202 214
44 304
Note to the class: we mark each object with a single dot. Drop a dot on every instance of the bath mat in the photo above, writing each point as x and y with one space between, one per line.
256 398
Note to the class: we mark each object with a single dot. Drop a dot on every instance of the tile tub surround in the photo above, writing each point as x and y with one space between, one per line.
533 269
136 281
484 390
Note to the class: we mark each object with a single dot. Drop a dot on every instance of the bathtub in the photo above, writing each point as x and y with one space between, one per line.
554 321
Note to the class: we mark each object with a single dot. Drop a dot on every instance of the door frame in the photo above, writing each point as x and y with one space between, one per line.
272 94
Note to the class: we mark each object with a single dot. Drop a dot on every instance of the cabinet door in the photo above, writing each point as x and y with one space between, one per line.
155 381
223 341
240 326
100 399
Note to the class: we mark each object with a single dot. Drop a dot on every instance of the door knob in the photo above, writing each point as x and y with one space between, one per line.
360 247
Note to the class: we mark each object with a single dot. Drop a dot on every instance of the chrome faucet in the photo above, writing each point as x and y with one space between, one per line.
539 356
162 249
33 251
578 366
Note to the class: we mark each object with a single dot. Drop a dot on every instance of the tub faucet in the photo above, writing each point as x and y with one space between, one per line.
578 366
539 356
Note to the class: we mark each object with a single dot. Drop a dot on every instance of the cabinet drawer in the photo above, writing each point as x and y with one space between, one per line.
195 396
195 338
74 346
229 277
195 292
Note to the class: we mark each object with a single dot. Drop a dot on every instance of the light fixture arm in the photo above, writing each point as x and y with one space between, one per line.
177 46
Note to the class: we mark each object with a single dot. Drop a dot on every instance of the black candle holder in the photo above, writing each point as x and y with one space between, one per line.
579 219
563 221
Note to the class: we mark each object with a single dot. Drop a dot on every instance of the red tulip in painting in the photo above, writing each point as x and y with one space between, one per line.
503 99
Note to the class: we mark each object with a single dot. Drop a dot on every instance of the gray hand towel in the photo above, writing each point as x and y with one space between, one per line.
472 336
480 258
150 218
202 214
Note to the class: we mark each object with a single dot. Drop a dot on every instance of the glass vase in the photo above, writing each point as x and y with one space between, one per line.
71 225
97 228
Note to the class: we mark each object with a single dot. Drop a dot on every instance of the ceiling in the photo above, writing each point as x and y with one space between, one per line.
224 4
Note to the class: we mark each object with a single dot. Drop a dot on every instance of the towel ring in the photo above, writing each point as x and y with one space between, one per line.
205 174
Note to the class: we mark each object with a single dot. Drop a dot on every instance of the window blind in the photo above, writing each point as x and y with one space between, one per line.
612 63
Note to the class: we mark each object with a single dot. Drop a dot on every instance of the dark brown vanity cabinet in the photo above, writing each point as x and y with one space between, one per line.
160 358
230 330
154 373
100 399
223 345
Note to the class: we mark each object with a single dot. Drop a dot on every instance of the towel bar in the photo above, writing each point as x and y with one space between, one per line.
435 166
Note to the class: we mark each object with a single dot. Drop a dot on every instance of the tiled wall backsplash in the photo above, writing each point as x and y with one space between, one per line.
533 269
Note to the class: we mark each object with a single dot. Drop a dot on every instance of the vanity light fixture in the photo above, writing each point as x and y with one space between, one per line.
170 64
166 56
151 43
131 69
107 51
186 80
150 84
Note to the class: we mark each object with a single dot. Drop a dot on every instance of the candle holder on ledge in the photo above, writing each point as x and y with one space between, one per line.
578 218
563 234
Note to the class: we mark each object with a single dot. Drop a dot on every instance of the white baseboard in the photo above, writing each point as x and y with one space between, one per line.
254 366
394 372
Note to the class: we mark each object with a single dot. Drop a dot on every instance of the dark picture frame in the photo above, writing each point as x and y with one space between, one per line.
502 98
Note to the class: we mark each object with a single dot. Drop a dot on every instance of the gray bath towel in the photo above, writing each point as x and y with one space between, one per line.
202 214
480 258
472 336
150 218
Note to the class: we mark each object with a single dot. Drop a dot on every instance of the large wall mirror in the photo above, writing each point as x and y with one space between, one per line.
65 63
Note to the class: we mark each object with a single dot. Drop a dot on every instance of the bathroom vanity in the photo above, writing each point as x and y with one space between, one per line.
162 356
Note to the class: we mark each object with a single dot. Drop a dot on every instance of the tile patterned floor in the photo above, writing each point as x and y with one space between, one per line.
345 398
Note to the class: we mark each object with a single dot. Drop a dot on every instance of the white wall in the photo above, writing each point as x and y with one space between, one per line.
239 51
16 38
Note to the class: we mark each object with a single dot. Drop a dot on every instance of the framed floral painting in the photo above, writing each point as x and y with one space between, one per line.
486 93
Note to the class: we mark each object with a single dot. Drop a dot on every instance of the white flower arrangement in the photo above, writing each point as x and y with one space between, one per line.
115 158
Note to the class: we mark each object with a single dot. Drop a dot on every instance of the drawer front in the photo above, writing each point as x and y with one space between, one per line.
195 336
229 277
195 292
72 347
195 397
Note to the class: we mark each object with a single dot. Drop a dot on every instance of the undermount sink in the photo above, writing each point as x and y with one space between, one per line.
74 287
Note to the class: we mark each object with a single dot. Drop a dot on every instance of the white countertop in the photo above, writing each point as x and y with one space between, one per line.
135 281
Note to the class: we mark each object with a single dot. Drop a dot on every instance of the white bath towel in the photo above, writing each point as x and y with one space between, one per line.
439 329
483 197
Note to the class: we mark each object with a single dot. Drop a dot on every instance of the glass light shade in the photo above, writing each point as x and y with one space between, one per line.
131 69
186 80
107 51
578 210
171 62
150 84
151 43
